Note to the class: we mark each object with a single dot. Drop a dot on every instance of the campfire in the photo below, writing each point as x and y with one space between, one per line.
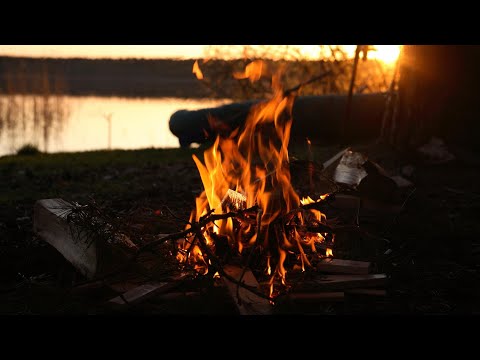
334 202
251 231
249 209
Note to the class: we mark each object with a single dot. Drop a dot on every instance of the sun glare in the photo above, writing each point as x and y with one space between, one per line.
386 53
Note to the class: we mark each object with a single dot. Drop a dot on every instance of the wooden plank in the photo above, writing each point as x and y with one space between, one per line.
85 288
145 291
250 304
50 224
333 159
367 292
317 297
340 266
78 245
142 292
341 282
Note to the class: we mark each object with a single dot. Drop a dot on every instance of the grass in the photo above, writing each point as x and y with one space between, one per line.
25 178
28 149
96 159
106 173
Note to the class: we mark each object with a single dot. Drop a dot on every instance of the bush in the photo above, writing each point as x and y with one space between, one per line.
28 149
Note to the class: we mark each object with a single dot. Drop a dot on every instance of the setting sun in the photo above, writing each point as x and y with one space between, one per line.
386 53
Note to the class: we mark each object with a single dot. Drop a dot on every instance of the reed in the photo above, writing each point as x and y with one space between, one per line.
32 107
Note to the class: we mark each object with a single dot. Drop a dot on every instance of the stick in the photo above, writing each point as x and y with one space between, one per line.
311 80
259 221
219 268
348 111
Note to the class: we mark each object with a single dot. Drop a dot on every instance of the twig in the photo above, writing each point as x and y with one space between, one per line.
175 216
311 80
250 256
216 264
175 236
348 110
388 105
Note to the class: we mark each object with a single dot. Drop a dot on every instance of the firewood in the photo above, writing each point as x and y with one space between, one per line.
333 159
367 292
316 297
339 266
140 293
145 292
50 224
341 282
88 287
77 244
248 303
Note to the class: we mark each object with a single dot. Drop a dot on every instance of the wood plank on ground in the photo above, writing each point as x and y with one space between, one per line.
142 292
77 244
336 296
50 224
145 292
340 266
249 304
341 282
367 292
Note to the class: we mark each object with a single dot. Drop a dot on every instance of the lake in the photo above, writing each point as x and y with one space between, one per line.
135 123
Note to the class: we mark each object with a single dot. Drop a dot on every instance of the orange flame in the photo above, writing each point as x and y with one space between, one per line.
329 252
196 70
252 166
253 71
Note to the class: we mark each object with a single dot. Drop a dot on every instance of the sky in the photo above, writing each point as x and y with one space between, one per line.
106 51
387 53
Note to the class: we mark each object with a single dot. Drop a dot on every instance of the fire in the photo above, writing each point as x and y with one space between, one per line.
248 170
253 71
196 70
328 252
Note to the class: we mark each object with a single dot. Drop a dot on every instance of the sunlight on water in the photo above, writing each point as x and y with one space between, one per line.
135 123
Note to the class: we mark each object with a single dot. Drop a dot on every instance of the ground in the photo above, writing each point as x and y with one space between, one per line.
430 258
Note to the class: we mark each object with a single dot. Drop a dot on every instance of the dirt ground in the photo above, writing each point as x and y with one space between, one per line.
431 255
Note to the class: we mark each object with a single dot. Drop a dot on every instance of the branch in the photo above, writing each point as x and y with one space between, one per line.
311 80
216 264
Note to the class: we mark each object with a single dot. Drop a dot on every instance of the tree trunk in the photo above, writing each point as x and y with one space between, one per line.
438 93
